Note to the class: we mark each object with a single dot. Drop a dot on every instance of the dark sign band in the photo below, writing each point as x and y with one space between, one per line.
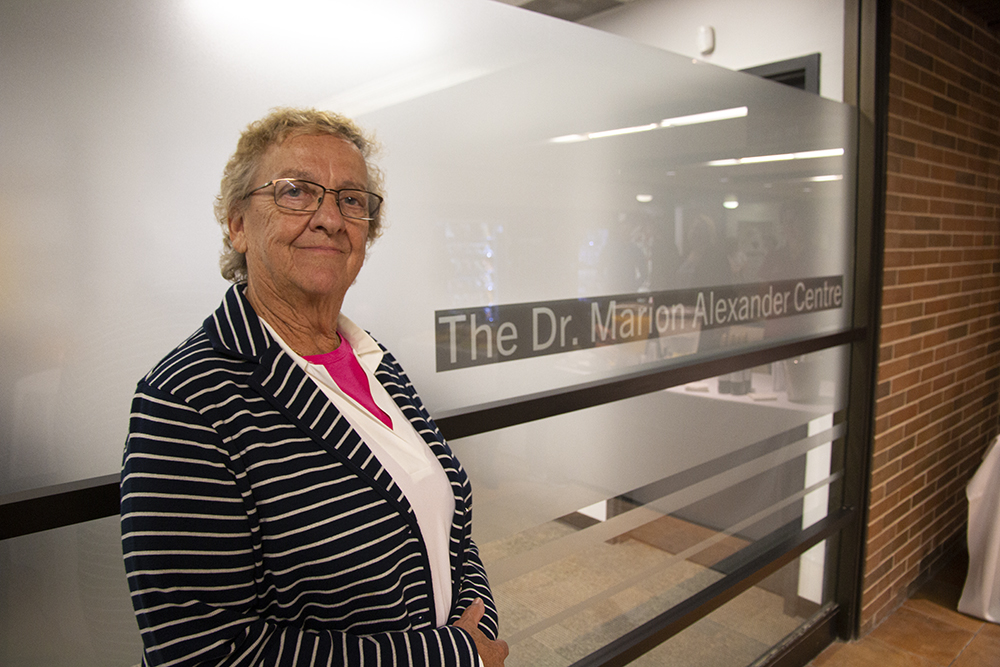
489 334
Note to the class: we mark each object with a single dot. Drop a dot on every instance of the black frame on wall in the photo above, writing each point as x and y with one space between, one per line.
801 73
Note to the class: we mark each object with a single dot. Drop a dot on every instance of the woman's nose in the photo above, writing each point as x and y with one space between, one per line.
328 216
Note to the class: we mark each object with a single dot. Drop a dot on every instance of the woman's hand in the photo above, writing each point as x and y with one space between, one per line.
492 653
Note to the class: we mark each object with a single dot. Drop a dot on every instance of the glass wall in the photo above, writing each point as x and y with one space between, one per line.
739 633
657 210
565 209
597 521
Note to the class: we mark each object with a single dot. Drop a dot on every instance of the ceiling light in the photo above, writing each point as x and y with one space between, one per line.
645 199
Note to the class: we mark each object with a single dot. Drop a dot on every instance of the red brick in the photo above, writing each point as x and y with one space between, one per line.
926 257
910 276
937 403
938 272
895 259
907 347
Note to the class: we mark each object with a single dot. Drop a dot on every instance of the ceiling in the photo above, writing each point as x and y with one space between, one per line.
570 10
576 10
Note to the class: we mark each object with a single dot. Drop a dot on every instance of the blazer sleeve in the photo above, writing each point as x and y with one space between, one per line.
474 584
193 564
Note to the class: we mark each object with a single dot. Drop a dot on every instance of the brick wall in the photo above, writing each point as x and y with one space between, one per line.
936 403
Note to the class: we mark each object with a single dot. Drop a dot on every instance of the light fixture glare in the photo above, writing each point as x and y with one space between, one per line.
622 130
829 152
693 119
767 158
706 117
755 159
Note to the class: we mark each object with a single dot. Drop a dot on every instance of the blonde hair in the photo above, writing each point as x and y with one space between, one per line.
279 125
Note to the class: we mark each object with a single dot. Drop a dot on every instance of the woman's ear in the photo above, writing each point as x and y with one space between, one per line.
237 232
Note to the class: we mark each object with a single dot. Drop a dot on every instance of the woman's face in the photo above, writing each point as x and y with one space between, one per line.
294 255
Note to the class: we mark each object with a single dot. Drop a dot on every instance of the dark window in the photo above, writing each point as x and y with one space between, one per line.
801 73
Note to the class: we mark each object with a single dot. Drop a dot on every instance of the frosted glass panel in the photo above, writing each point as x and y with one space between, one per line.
595 522
740 632
589 230
561 185
64 601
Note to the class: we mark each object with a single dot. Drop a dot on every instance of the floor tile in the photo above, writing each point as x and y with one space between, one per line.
759 615
869 653
983 650
704 644
916 633
675 536
947 614
927 631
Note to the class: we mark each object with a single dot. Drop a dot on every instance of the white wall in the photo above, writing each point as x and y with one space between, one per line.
747 34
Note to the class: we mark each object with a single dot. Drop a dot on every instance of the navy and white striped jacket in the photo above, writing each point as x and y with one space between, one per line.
259 529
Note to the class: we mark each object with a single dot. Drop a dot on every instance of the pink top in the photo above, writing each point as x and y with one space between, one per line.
345 370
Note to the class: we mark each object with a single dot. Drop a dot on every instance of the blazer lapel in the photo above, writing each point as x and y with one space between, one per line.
235 329
301 399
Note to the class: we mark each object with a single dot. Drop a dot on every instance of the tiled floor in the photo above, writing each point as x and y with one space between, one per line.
557 613
926 631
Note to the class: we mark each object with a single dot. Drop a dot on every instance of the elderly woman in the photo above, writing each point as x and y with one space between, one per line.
286 499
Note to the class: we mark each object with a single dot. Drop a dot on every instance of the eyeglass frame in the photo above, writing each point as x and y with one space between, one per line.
336 193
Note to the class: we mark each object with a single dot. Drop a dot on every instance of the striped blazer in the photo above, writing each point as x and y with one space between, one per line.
259 529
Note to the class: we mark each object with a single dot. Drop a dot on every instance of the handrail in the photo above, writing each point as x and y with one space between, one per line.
49 507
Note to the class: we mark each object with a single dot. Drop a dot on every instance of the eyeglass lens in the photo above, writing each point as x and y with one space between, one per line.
305 196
